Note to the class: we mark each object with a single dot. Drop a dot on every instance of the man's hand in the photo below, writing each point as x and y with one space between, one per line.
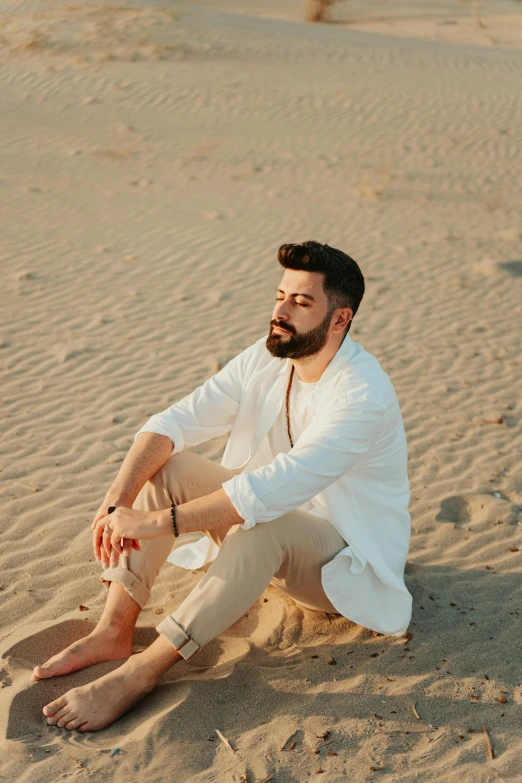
147 454
99 551
127 524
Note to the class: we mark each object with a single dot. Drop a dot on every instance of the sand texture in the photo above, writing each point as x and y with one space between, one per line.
153 159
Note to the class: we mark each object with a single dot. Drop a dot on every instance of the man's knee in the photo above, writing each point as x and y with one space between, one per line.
183 477
164 486
178 466
176 472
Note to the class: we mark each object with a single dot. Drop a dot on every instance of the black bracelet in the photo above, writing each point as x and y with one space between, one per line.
173 517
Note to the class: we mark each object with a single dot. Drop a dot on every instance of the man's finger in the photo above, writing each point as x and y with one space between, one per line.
115 553
100 514
106 547
116 543
97 541
107 536
104 556
105 533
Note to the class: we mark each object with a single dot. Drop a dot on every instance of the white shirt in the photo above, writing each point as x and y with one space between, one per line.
300 417
300 393
348 465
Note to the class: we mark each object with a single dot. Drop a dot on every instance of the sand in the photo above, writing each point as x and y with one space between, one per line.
153 158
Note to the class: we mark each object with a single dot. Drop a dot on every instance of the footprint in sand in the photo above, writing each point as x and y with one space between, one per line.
478 512
495 269
513 268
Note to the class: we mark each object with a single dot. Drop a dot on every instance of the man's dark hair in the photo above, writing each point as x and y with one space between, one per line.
343 281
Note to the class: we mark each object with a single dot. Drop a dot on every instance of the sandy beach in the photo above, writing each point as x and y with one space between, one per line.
154 158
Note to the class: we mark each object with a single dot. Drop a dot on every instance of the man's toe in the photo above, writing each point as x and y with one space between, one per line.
64 719
46 670
74 724
55 719
54 706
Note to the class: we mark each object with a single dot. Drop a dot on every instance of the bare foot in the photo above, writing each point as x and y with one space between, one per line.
94 706
100 645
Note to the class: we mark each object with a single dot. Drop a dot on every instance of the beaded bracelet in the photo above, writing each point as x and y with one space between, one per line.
173 517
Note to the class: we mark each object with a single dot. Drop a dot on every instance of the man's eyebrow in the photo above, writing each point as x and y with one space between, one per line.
307 296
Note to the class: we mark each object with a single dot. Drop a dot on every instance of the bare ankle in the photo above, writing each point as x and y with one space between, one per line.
120 614
114 630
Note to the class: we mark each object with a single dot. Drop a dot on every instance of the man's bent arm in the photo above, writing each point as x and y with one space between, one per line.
147 454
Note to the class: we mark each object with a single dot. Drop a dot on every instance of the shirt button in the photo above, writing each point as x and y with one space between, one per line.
256 439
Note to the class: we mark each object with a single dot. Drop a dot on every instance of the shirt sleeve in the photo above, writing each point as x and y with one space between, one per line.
331 445
209 411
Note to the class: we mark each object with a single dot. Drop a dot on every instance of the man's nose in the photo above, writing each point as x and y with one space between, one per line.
280 312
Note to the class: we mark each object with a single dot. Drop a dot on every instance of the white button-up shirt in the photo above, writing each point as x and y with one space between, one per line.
349 466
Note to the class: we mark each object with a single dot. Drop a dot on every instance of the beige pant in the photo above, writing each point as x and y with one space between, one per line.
287 552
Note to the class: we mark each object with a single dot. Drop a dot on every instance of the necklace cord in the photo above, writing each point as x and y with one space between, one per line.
288 407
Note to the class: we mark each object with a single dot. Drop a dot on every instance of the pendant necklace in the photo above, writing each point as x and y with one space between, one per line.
288 407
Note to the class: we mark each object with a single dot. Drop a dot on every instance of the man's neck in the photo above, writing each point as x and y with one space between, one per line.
309 370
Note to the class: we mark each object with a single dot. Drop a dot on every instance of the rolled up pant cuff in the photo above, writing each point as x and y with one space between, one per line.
182 642
134 586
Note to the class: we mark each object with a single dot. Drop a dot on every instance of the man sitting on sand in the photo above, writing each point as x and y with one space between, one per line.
311 496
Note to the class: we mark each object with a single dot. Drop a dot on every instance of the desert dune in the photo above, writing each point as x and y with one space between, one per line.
154 157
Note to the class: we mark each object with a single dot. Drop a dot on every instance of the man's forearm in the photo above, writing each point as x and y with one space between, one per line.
147 454
214 511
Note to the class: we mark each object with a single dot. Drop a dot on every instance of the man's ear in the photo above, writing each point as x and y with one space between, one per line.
342 321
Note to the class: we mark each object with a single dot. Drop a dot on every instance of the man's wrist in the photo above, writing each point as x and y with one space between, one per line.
115 497
165 522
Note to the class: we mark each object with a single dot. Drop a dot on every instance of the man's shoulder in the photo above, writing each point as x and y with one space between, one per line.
363 375
363 362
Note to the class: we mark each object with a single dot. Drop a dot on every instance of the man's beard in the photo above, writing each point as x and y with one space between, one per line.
298 346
